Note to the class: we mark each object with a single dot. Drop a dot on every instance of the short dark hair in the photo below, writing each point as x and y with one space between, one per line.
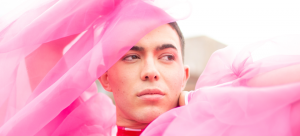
175 26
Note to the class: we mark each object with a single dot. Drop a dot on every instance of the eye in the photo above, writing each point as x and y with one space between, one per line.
168 58
131 58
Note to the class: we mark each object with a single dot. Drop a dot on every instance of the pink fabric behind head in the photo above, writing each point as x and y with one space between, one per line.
45 77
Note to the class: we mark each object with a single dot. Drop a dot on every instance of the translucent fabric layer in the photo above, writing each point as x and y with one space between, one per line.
225 104
51 52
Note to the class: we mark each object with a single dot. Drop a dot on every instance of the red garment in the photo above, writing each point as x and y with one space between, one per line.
122 131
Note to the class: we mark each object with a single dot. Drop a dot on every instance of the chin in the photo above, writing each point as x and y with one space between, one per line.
149 115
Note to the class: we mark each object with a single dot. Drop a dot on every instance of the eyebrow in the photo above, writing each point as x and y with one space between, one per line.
137 48
159 48
165 46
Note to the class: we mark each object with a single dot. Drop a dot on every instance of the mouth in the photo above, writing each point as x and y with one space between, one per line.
151 94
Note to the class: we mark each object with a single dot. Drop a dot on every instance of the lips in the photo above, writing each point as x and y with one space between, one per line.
151 94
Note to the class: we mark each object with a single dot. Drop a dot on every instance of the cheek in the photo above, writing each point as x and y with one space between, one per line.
118 80
121 78
173 77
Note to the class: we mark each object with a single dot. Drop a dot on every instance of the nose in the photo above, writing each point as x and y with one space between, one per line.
149 71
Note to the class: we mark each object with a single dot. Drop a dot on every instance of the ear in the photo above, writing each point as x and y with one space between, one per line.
104 82
186 76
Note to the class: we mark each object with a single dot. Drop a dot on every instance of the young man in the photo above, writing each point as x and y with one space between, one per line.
148 79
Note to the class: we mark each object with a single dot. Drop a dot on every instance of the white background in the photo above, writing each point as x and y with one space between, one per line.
241 22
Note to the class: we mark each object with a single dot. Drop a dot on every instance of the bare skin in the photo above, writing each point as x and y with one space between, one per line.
148 79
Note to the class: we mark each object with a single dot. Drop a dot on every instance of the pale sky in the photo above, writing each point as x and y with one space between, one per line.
232 22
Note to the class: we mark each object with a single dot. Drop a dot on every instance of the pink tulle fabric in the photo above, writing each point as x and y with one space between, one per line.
223 103
51 53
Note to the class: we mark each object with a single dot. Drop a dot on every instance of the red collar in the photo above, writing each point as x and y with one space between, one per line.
122 131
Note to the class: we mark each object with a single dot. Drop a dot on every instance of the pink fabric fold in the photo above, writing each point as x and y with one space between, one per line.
224 105
51 54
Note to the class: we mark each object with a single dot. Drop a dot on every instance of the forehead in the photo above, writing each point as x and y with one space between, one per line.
163 34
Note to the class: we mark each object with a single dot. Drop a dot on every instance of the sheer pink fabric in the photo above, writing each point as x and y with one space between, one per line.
224 104
52 52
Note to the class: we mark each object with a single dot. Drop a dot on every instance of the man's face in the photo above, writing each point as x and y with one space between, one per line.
148 79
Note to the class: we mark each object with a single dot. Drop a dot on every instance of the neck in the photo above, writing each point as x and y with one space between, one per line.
123 122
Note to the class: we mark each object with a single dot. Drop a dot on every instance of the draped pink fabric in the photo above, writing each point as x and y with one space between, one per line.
52 52
224 104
